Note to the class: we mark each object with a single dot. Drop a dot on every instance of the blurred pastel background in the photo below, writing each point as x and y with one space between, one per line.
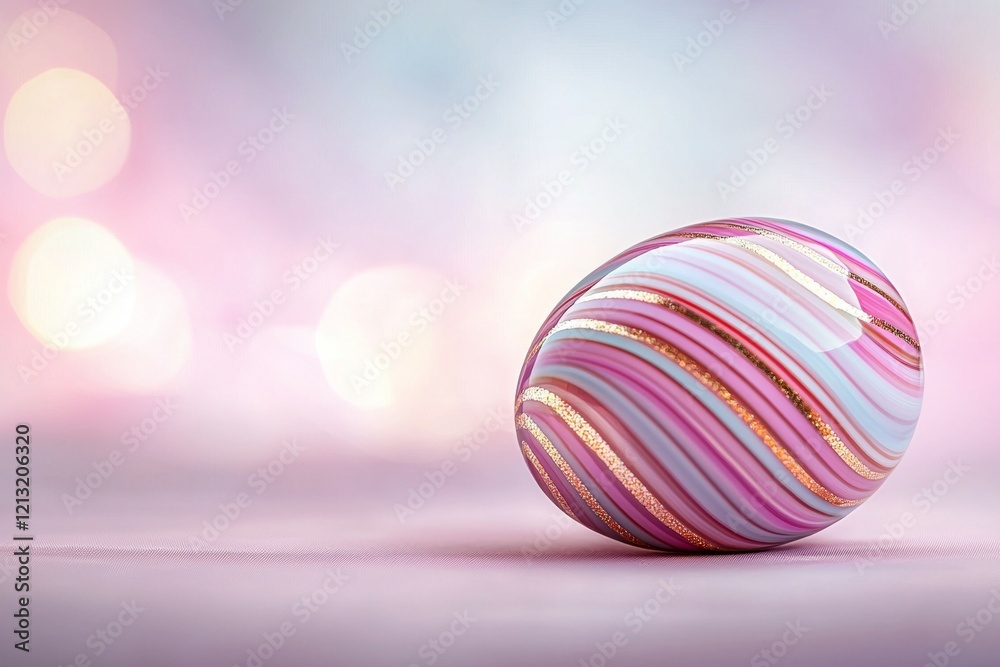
234 229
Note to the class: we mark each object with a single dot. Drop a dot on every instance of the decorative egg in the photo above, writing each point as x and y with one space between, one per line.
732 385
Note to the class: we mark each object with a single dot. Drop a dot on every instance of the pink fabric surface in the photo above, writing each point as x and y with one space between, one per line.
532 600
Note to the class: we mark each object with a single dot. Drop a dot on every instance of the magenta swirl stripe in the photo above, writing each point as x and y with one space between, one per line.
731 385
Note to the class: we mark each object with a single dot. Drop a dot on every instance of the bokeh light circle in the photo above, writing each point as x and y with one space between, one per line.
72 284
371 340
155 344
49 36
384 343
65 133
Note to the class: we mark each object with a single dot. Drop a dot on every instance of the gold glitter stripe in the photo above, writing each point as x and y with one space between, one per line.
524 421
549 484
882 324
721 391
798 276
878 290
590 437
537 347
819 258
808 282
824 429
794 245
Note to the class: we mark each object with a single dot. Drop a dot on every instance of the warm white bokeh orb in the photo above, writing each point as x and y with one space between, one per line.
156 343
41 38
65 133
536 271
72 284
385 344
366 322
